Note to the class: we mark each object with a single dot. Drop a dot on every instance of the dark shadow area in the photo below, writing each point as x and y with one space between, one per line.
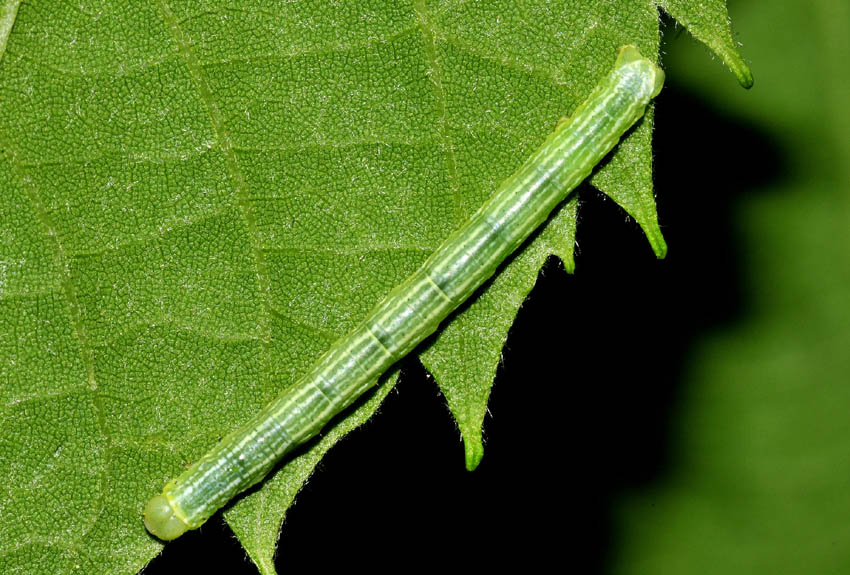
594 362
581 409
211 549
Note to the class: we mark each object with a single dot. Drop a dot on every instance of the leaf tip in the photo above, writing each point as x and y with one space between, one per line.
736 63
711 26
655 237
659 246
745 77
568 260
473 451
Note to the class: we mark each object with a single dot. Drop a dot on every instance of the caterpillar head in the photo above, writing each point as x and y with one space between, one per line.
162 521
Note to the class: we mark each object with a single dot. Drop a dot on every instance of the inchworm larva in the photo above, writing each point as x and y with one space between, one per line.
415 308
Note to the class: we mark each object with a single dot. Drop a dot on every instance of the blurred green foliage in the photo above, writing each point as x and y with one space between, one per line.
759 471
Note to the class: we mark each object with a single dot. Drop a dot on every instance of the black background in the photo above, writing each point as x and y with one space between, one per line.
581 411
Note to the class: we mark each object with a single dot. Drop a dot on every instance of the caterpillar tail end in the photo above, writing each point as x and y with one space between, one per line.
659 82
629 53
161 519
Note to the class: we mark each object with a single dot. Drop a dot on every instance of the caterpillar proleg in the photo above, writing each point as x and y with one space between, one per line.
415 308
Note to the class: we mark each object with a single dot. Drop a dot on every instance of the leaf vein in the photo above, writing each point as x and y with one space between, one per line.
184 48
69 294
428 32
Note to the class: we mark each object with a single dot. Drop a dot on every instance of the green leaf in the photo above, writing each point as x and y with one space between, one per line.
198 200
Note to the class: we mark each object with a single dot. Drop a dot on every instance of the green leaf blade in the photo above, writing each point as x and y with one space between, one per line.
200 200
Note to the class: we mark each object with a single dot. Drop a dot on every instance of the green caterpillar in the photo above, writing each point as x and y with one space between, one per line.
415 308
